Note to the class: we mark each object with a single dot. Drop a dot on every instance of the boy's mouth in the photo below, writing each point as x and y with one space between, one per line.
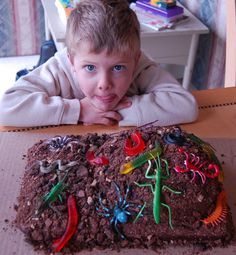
106 99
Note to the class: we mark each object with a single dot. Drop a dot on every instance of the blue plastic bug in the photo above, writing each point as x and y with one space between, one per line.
119 212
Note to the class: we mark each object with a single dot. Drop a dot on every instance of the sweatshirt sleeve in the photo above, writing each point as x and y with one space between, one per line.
43 97
157 96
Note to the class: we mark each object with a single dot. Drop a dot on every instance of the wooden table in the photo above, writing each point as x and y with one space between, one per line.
172 46
217 118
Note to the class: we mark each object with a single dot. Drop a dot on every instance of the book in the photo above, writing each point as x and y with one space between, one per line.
167 13
156 22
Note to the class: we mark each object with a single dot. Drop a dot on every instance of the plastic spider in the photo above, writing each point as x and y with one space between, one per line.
58 142
119 213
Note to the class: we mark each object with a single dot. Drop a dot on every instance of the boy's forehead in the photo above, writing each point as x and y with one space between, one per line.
86 49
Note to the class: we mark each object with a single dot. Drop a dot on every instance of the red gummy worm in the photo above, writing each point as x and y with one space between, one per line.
71 225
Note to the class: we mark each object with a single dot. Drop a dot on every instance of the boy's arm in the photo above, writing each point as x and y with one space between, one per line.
157 96
43 97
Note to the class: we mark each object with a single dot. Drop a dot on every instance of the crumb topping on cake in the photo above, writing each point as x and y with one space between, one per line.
146 187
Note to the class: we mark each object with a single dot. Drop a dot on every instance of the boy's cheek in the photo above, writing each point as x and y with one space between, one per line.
70 58
137 58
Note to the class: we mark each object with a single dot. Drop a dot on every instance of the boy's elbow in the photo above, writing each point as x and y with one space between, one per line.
191 112
194 114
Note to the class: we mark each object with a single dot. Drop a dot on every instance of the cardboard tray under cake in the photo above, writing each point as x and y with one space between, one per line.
15 145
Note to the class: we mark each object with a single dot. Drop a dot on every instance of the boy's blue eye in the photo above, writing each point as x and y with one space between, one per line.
118 68
90 68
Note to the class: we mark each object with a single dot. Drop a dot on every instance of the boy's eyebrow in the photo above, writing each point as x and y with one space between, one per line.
118 62
88 61
124 60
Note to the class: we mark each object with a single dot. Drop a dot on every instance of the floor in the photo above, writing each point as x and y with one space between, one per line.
10 66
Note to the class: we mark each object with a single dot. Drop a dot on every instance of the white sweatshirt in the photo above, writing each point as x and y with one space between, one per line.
50 95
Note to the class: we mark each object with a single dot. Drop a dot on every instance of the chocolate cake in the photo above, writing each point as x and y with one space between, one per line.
146 187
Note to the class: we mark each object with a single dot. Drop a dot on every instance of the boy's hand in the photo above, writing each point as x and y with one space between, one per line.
125 102
89 114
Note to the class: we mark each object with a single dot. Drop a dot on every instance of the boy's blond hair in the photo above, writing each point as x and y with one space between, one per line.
104 24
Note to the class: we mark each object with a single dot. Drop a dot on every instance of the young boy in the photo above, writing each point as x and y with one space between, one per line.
102 77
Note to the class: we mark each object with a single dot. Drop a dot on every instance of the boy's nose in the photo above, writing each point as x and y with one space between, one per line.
104 83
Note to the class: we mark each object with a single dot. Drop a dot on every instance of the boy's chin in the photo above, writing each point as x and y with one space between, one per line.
105 107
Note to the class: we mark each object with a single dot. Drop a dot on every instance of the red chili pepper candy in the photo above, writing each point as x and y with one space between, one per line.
100 161
90 156
133 150
181 150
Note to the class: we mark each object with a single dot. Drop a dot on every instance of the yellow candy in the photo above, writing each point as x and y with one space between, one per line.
140 160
